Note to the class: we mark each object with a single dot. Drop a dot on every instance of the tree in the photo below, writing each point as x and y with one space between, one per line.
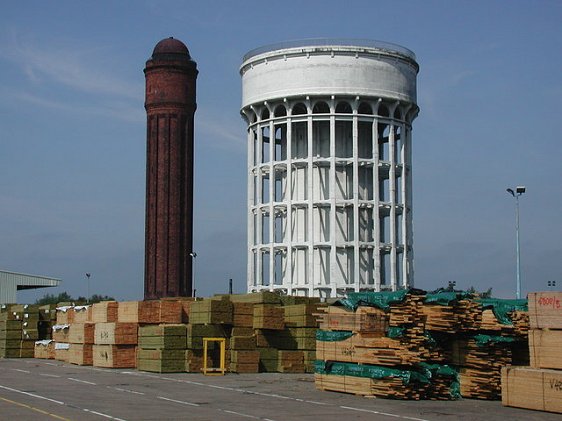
64 297
54 299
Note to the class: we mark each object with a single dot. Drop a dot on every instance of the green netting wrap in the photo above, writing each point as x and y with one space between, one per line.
368 371
395 332
429 339
501 307
333 336
482 340
445 298
433 370
382 299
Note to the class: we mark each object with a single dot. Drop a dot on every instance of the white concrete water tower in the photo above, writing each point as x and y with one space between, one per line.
329 166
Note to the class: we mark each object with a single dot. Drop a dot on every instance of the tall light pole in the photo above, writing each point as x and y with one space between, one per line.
193 256
88 297
519 190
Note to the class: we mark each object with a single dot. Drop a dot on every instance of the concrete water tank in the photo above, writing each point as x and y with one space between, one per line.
329 166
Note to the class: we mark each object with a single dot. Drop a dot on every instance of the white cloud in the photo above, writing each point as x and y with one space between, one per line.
74 67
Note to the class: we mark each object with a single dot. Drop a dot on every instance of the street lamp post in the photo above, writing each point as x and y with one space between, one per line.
519 190
88 297
193 256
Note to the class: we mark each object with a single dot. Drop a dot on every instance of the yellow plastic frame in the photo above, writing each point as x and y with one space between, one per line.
214 371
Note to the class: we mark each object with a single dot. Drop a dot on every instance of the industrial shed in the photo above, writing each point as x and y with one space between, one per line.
11 282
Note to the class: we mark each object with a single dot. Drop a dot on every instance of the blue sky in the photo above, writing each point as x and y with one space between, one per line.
73 139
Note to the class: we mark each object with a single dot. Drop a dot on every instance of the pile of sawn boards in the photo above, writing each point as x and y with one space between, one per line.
539 385
21 325
411 344
263 332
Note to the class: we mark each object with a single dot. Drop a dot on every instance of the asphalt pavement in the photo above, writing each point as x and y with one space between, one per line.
32 389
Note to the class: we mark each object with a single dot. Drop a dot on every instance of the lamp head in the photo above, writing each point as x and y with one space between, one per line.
511 192
520 189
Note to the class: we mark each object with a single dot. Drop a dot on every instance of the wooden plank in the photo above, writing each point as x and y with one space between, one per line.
545 346
545 310
532 388
81 333
80 354
116 334
105 312
114 356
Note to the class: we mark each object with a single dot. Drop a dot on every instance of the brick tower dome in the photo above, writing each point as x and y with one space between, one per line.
170 107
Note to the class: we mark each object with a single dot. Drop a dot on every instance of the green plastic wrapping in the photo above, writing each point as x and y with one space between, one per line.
382 299
395 332
482 340
368 371
445 298
501 307
433 370
333 335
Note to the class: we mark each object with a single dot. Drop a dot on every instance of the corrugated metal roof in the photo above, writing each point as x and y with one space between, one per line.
10 282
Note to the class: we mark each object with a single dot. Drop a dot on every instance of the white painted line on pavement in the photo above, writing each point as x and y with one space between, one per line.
49 375
182 402
21 371
126 390
102 415
31 394
383 413
81 381
240 414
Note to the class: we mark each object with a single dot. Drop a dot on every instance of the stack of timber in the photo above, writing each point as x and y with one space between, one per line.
115 345
81 338
162 348
150 312
539 386
18 330
105 312
47 319
211 311
376 344
44 349
194 343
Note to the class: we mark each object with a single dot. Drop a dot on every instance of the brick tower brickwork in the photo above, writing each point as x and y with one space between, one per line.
170 107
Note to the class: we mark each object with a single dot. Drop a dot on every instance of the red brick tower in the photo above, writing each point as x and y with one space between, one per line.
170 107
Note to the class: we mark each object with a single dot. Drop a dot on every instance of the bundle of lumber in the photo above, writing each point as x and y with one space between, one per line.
365 319
538 386
302 315
44 349
242 314
370 380
150 312
268 316
81 339
290 361
104 312
245 361
162 348
456 316
18 330
115 345
211 311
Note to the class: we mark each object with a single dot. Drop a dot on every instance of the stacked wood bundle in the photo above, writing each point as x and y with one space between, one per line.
382 332
194 341
302 315
61 351
211 311
290 361
370 380
60 332
193 360
47 319
244 361
65 314
44 349
18 330
538 386
150 312
456 316
242 314
162 348
81 314
105 312
268 316
115 344
269 358
81 339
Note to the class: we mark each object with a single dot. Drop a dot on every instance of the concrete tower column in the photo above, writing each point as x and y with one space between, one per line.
170 107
